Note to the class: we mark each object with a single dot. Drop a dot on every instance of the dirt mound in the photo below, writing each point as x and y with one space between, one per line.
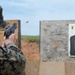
30 49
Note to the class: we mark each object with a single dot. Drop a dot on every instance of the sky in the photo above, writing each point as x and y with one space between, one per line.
31 12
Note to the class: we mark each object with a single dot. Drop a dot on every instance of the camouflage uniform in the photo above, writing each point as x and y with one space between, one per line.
12 60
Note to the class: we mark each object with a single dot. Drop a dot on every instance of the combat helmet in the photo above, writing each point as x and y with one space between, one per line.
1 16
3 24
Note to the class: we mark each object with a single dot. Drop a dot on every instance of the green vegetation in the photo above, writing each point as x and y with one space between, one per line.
30 38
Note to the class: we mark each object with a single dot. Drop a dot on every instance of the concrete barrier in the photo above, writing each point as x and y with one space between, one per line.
52 68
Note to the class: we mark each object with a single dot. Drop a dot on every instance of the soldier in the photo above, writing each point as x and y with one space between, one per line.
12 59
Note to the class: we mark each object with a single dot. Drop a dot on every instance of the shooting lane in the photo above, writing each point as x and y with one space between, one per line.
17 31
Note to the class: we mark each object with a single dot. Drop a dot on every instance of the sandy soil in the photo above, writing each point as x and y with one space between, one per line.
31 50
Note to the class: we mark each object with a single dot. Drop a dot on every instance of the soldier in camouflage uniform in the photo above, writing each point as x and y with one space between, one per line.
12 59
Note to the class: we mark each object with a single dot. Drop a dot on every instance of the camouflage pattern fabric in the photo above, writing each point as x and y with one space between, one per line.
12 60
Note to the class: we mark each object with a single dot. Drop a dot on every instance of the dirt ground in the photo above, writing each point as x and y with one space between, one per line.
31 50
